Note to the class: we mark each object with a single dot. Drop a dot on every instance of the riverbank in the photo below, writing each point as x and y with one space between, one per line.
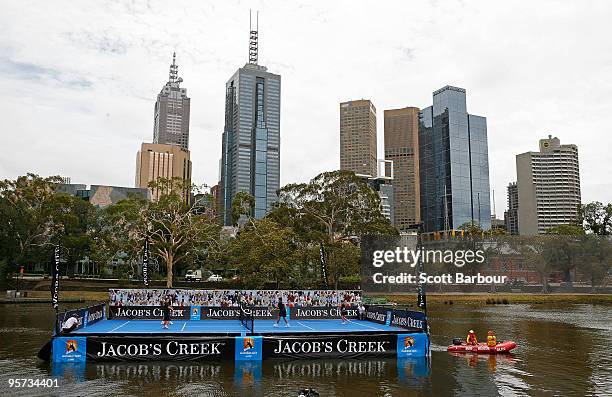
504 298
408 299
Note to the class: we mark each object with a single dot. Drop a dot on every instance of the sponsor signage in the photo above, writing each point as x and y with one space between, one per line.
398 318
320 312
147 313
195 312
69 349
241 348
323 266
248 348
145 263
93 314
55 277
409 319
412 345
145 349
85 316
233 313
337 346
378 314
79 314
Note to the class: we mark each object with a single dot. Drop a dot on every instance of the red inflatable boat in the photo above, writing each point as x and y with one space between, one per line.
502 347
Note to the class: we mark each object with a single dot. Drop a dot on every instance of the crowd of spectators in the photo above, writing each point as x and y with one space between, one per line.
226 298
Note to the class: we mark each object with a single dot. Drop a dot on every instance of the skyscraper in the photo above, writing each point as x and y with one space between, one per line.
548 185
453 164
171 123
250 160
402 147
511 215
161 161
358 137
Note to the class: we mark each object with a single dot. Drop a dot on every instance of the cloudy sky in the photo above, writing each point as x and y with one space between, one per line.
78 80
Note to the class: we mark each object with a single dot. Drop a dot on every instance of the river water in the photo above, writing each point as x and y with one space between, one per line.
562 350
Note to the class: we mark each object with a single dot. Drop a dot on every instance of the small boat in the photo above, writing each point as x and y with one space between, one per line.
501 347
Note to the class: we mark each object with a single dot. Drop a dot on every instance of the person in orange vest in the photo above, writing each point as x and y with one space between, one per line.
491 339
471 338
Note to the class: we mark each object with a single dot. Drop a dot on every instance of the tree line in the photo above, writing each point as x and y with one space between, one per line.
332 210
328 214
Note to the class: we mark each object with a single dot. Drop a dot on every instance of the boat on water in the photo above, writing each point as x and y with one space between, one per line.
502 347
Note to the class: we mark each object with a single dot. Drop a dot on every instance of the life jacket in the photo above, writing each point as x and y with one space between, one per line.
491 340
471 339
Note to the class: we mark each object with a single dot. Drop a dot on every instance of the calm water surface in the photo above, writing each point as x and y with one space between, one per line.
563 350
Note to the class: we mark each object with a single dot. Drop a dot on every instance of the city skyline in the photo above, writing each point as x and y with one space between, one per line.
101 101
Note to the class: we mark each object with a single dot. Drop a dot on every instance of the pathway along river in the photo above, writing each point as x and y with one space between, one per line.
563 350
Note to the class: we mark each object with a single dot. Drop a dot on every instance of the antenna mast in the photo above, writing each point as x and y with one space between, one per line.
173 69
253 39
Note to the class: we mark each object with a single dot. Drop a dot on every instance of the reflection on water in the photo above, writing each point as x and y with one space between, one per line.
562 350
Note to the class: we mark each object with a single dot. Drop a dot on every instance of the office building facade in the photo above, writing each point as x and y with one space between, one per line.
171 113
250 160
511 215
155 161
402 148
548 183
358 137
453 164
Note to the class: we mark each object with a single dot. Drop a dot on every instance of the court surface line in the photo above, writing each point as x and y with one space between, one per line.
368 326
306 326
116 328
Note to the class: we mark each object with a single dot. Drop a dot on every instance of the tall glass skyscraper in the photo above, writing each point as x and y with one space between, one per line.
454 164
250 160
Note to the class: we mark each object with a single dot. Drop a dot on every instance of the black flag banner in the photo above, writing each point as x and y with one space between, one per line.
421 298
55 277
323 265
145 263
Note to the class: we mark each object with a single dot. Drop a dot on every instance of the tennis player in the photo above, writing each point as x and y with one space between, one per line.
282 312
166 308
343 312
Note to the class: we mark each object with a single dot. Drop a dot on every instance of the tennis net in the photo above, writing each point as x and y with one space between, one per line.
246 318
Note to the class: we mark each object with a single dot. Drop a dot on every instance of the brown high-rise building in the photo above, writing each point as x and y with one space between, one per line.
402 147
171 113
161 161
358 137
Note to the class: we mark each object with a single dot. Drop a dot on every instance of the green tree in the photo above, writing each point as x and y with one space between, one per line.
27 209
472 229
561 252
264 252
566 230
596 218
113 233
75 217
344 258
596 259
243 205
333 206
176 232
532 249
